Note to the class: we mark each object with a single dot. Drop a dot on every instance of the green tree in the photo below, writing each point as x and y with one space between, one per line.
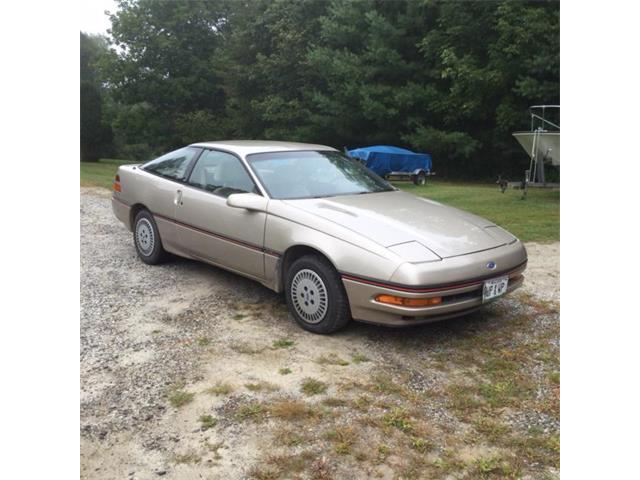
165 64
266 71
450 78
489 61
95 133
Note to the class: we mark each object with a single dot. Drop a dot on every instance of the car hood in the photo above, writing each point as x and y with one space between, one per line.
395 218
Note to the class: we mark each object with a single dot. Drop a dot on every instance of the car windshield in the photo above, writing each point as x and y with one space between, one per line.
314 174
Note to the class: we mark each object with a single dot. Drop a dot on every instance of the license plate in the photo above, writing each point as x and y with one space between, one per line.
494 288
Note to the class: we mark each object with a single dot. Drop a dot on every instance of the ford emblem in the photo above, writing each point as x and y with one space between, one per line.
491 265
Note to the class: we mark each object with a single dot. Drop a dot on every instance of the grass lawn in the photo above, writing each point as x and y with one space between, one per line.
536 219
100 174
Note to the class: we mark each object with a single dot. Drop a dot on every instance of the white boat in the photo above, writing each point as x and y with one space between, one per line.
542 143
547 144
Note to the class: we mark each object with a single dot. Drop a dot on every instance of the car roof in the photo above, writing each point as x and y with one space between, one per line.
247 147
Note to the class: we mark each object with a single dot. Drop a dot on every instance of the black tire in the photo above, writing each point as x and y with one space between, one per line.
420 179
146 239
336 312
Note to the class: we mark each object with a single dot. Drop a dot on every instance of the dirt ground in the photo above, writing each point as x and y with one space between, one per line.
188 371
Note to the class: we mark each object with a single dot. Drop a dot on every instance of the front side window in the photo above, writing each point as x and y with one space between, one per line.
314 174
221 173
173 165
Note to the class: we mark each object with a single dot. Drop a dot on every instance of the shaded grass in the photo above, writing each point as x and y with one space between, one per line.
536 219
101 173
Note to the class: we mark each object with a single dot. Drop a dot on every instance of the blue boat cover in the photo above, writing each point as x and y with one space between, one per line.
384 159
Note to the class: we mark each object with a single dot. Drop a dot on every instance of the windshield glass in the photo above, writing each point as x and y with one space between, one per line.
314 174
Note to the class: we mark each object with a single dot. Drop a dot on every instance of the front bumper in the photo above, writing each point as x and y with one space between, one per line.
458 299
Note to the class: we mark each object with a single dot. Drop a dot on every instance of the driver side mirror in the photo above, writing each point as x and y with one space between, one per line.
248 201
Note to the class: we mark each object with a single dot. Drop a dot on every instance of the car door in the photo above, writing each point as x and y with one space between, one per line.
158 191
211 230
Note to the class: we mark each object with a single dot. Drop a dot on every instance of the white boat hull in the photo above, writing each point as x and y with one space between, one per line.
548 145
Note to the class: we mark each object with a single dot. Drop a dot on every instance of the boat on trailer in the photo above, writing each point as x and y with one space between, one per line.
542 143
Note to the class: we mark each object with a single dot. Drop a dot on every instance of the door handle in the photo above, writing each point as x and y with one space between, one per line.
178 198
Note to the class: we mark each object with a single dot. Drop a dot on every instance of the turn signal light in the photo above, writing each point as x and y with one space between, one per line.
409 302
116 184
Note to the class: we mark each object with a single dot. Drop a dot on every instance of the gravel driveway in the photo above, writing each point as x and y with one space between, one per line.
188 371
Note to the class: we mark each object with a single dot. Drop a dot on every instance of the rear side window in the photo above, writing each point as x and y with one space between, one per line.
173 165
221 173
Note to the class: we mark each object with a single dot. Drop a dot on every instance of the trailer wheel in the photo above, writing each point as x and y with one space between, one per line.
420 179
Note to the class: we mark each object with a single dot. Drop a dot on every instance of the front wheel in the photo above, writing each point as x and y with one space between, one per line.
316 296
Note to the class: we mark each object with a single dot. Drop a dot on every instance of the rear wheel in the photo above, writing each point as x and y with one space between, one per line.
147 239
316 296
420 179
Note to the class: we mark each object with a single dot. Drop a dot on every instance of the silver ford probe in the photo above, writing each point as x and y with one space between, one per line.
341 242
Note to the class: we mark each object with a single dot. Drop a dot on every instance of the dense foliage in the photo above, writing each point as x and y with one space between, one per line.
95 133
450 78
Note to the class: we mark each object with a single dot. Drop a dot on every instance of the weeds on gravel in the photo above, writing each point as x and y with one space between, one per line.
490 429
261 386
186 458
383 451
253 411
214 447
321 469
343 439
241 347
282 466
331 359
289 437
421 445
335 402
359 358
263 473
220 388
179 398
399 418
284 371
207 422
292 410
283 343
311 386
362 403
494 466
204 341
383 383
239 316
